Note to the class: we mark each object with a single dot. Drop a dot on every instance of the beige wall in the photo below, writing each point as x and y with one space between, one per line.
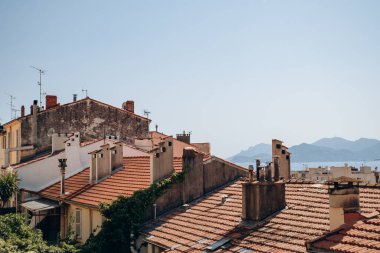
12 130
91 221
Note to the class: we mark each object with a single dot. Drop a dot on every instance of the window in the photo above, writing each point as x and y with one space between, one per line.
278 146
283 152
78 222
169 143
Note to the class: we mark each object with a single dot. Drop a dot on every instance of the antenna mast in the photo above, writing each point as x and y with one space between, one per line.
83 90
41 71
11 104
146 113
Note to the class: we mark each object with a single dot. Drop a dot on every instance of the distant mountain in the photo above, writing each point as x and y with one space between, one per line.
343 144
262 151
334 149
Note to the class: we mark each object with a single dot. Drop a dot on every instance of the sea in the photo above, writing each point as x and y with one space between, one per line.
302 166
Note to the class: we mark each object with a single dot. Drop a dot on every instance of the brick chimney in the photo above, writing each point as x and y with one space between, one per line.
263 197
51 101
22 111
184 137
129 106
344 204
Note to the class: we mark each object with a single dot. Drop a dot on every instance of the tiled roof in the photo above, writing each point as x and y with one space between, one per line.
209 220
362 236
135 175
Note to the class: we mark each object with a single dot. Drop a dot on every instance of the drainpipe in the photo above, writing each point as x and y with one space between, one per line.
155 211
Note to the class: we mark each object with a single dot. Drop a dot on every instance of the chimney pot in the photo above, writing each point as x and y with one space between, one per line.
75 97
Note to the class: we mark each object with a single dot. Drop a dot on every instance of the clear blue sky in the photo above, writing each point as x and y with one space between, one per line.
235 73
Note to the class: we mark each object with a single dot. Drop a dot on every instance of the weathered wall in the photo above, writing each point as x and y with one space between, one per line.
218 173
200 179
89 117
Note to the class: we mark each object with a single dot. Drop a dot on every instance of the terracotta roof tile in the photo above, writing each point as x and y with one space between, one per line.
135 175
306 218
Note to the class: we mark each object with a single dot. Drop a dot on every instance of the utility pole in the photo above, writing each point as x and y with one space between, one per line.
41 71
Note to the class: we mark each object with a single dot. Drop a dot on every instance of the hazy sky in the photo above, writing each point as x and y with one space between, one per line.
235 73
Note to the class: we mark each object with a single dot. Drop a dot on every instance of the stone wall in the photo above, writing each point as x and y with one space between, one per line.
91 118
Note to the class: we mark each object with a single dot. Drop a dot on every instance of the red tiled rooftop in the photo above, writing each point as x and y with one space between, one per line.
362 236
135 175
208 220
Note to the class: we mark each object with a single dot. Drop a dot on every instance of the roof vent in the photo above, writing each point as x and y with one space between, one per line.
224 198
218 244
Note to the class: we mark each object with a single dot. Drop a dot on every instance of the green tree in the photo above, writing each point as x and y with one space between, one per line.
17 237
8 187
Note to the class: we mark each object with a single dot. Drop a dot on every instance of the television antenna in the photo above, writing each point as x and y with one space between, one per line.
41 71
83 90
146 113
11 104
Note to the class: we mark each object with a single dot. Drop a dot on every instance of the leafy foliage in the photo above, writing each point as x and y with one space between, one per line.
8 187
17 237
125 217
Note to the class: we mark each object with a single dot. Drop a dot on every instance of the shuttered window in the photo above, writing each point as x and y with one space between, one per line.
78 222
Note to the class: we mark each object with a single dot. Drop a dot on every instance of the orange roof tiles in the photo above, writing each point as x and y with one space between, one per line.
135 175
208 220
362 236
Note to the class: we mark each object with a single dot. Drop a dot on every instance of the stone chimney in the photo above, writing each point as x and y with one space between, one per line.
104 161
129 106
344 204
184 137
161 164
22 111
281 152
51 101
263 197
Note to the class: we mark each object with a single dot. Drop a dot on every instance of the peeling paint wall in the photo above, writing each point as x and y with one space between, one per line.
91 118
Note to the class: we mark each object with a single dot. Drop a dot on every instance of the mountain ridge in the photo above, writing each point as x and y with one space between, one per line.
335 149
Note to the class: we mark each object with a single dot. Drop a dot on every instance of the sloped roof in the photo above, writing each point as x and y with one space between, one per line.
134 175
361 236
79 101
208 220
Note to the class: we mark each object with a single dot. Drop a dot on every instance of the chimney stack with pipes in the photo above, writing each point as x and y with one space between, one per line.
104 161
62 165
161 164
344 204
263 197
129 106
